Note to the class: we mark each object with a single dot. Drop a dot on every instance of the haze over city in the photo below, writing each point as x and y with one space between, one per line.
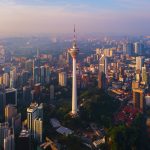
28 17
74 75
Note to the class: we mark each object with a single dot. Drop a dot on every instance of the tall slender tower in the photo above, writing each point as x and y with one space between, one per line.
73 52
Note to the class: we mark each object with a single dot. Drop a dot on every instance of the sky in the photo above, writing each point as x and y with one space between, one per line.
29 17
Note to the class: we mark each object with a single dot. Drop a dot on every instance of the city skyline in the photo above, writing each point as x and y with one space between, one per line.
20 17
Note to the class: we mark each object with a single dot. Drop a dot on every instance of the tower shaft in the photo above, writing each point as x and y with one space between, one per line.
74 89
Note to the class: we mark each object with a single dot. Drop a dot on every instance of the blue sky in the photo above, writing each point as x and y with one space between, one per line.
58 16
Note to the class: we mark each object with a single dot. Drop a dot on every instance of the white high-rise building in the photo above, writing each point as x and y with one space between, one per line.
74 52
139 63
62 79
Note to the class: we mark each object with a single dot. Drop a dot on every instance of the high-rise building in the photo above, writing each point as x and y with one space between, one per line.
16 124
138 48
29 65
4 130
36 76
13 77
33 112
26 95
128 48
6 80
101 80
62 79
42 74
138 99
10 112
103 64
52 92
47 74
74 52
2 54
139 63
144 75
24 140
38 129
11 96
9 141
2 105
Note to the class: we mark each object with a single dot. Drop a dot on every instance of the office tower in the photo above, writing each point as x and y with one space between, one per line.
139 63
36 76
102 80
26 95
135 84
33 112
2 105
74 52
42 74
62 79
40 108
47 74
138 48
16 124
9 141
103 62
38 53
4 130
38 130
10 112
2 54
144 75
6 80
128 48
11 96
29 65
13 77
25 75
24 140
1 79
52 92
138 99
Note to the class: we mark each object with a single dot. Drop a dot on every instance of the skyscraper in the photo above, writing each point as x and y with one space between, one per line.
10 112
13 76
73 52
9 141
139 63
138 48
138 99
62 79
4 130
38 129
34 112
144 75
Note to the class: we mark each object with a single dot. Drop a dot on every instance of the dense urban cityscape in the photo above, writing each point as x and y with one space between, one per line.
74 75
